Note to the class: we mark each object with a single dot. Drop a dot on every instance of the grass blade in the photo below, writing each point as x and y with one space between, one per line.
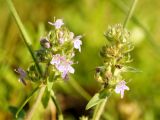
24 34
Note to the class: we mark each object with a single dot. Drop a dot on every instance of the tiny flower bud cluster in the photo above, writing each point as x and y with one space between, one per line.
117 33
115 55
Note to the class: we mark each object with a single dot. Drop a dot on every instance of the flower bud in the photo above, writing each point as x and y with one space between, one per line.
45 43
117 33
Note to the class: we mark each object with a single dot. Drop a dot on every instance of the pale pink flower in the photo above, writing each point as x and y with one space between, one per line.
65 68
57 24
121 87
62 65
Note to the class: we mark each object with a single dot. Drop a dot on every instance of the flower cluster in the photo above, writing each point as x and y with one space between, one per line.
116 56
56 55
64 48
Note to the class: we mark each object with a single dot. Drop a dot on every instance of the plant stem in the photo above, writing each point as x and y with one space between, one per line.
24 34
99 110
34 106
46 70
58 108
130 12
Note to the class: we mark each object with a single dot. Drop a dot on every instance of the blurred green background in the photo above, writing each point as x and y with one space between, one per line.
91 19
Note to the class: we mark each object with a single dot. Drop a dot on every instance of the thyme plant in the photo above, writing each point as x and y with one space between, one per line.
56 56
51 63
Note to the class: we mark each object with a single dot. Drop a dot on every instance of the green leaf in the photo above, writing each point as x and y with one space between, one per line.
94 101
25 102
97 98
46 97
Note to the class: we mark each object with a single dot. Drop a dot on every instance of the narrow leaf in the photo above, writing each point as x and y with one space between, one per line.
25 102
94 101
97 98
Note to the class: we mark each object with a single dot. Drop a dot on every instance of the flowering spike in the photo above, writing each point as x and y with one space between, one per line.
115 56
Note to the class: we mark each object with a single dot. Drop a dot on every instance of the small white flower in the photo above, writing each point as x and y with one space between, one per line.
58 23
65 67
77 42
121 87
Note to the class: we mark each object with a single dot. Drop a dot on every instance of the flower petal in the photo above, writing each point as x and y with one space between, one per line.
58 23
